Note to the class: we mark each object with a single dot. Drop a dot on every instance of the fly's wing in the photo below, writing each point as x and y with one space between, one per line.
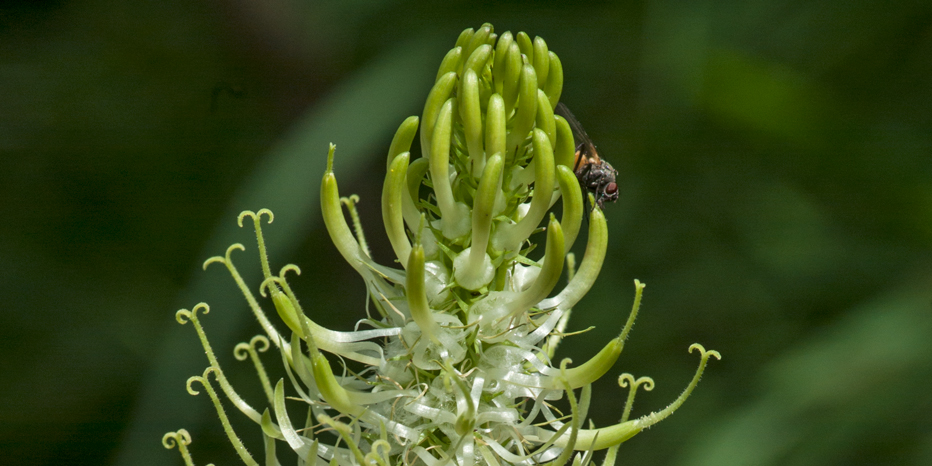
582 139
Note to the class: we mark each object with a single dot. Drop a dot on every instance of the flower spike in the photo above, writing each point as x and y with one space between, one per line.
451 362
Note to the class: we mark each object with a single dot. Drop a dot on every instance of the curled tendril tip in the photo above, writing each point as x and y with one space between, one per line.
226 259
199 378
258 343
184 315
256 216
289 268
265 285
705 354
626 379
172 439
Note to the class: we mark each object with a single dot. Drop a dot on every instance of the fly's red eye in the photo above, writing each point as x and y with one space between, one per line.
611 188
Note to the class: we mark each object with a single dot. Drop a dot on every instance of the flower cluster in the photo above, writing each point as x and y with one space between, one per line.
458 346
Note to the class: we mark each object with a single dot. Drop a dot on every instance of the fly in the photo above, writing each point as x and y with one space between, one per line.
595 175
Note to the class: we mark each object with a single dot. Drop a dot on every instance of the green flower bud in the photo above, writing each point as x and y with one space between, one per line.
454 215
392 192
527 108
596 367
545 120
472 268
417 295
287 312
502 47
512 77
526 46
510 236
330 388
550 270
402 141
482 37
572 204
478 59
495 126
564 152
541 61
451 62
334 220
471 115
435 100
465 36
554 86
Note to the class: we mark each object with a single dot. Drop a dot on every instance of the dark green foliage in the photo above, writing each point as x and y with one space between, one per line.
776 195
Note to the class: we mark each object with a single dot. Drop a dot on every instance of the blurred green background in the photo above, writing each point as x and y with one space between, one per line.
776 197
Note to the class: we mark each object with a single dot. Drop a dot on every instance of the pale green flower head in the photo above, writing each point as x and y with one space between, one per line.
458 347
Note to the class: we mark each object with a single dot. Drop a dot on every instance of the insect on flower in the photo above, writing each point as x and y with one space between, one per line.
595 174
